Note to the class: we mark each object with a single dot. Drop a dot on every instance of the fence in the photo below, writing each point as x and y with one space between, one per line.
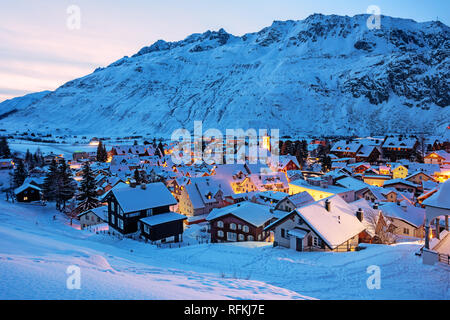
445 258
172 245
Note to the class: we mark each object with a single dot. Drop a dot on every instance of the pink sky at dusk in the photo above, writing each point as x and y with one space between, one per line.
39 52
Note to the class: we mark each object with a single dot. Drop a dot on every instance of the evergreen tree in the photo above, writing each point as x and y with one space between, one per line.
137 176
5 152
102 155
87 187
19 174
38 158
66 186
50 182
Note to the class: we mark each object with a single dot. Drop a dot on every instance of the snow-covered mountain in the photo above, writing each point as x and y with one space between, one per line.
321 75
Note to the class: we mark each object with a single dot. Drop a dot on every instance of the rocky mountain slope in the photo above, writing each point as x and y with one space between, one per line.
322 75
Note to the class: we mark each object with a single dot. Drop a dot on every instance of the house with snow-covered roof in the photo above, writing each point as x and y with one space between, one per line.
399 147
294 201
28 192
440 157
405 219
244 221
202 195
326 225
93 216
144 209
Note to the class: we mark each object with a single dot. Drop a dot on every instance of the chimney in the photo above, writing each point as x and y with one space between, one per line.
143 186
375 205
328 205
404 207
360 214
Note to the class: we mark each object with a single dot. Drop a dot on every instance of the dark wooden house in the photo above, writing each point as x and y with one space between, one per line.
144 209
28 192
243 221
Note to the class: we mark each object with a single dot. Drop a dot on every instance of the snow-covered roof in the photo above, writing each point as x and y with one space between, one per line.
253 213
408 213
441 153
161 218
25 186
441 199
101 212
135 199
399 180
397 142
300 199
335 226
330 189
352 183
346 146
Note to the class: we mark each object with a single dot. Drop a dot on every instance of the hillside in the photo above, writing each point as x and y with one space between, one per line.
321 75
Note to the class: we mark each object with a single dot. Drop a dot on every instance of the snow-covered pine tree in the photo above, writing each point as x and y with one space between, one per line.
102 155
5 152
49 187
67 185
87 187
19 174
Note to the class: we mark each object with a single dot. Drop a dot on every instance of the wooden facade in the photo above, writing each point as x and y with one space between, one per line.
229 228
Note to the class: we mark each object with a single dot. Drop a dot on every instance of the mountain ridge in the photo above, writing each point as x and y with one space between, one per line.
326 74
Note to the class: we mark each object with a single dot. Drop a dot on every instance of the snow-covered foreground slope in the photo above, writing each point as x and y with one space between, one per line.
321 75
36 250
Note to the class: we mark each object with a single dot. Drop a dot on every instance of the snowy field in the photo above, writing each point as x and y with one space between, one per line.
36 251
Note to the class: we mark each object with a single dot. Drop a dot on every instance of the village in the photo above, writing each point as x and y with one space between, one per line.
316 195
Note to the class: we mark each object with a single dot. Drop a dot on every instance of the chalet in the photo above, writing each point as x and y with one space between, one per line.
268 198
354 184
164 227
28 192
368 154
292 202
93 216
243 221
405 219
398 147
272 181
202 195
401 185
440 157
127 206
6 163
283 163
321 191
326 225
346 149
419 177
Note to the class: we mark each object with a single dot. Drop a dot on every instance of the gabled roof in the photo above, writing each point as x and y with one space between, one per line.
101 212
397 142
335 226
399 180
413 215
25 186
136 199
344 146
301 199
253 213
